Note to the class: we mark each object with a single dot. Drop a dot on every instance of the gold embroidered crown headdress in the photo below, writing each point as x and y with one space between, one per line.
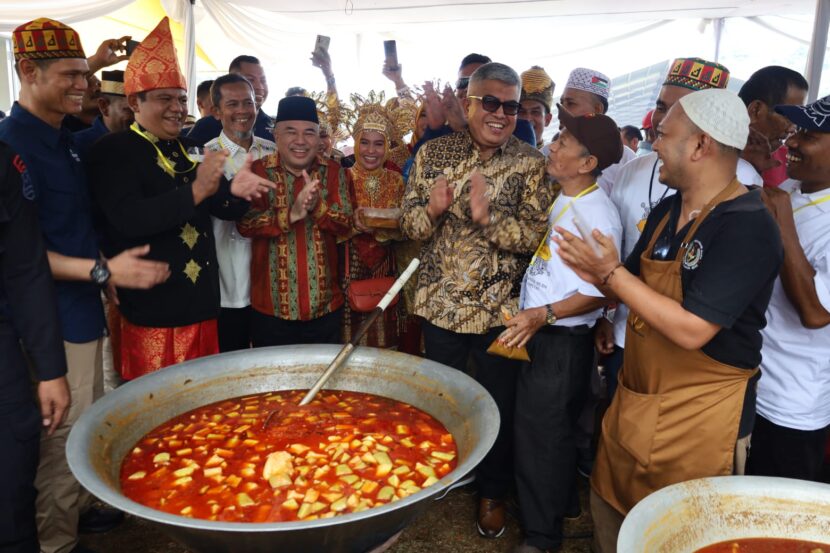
331 112
388 118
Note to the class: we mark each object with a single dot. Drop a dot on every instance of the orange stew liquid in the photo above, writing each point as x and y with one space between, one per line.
344 452
766 545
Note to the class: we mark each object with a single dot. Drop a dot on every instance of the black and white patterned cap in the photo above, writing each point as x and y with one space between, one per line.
814 117
589 81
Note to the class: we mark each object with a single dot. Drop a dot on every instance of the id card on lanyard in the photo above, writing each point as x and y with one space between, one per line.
543 251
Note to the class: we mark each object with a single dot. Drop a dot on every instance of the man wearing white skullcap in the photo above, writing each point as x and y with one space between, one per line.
587 91
697 284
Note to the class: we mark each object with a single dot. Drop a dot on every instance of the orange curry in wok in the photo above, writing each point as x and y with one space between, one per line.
766 545
262 458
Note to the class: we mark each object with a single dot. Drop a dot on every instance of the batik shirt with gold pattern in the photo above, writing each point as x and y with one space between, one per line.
142 200
294 266
469 271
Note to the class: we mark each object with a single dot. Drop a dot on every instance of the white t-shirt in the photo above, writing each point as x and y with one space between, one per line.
610 175
233 251
794 390
637 191
549 281
747 174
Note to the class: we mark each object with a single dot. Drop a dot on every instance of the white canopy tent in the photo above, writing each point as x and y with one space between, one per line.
612 36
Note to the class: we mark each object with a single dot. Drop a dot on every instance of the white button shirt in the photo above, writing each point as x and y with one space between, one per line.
233 251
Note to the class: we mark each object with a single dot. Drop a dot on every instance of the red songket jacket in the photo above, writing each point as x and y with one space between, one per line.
294 267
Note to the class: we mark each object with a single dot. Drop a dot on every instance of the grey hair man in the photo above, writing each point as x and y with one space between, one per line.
477 199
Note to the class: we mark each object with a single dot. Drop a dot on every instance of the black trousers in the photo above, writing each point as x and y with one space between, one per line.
272 331
550 394
468 353
20 446
780 451
234 326
613 363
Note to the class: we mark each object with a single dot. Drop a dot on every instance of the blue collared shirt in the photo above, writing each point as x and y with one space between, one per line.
55 176
86 138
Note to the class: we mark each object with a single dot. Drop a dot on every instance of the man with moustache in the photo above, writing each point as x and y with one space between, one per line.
232 98
793 409
295 290
207 128
638 190
477 199
698 284
52 67
165 199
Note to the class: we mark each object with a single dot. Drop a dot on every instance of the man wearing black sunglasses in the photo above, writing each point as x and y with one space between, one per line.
697 284
468 66
477 199
446 113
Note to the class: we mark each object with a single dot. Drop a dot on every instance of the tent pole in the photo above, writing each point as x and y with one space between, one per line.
818 46
717 26
190 56
8 92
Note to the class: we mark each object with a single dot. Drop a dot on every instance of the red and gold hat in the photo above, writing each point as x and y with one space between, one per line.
697 74
153 64
44 39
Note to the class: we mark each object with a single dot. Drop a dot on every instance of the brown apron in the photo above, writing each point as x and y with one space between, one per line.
676 412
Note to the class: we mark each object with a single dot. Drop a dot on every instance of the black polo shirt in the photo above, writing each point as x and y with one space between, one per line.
727 275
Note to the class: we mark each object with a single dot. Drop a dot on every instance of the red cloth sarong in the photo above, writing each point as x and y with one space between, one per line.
142 349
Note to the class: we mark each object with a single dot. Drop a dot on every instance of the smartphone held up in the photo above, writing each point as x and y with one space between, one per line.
390 49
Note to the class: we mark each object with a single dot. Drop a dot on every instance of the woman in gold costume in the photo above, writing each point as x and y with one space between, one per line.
370 253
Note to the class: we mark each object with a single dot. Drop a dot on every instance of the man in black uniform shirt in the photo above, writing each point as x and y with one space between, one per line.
28 314
698 283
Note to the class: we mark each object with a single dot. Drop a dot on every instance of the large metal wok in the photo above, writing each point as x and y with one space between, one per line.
688 516
106 432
